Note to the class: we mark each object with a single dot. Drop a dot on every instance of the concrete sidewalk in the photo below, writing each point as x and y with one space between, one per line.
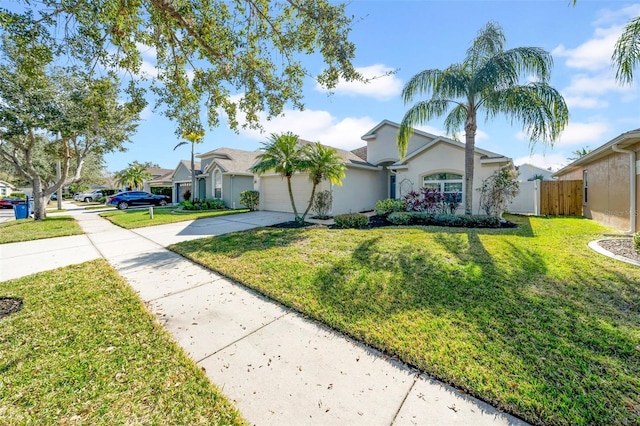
278 367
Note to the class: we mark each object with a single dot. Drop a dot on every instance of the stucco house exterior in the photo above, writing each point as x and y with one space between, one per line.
431 161
6 188
373 172
528 171
181 181
609 177
226 173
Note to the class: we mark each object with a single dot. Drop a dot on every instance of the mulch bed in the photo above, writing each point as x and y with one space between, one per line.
374 222
9 305
621 247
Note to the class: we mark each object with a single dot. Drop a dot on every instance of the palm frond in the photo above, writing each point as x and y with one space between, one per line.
626 55
489 42
419 113
456 120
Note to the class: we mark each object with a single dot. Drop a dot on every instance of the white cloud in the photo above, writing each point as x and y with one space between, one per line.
585 102
578 134
379 87
608 17
594 54
555 161
315 126
599 84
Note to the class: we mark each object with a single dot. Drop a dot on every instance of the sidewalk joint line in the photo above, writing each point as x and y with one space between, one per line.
395 416
244 337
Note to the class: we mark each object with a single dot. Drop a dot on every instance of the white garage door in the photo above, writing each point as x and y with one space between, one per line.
275 195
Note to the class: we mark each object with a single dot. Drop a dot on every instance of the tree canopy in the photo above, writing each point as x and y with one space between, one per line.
201 52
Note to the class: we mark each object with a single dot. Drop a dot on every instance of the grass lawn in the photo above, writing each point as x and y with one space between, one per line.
29 229
85 351
139 218
528 319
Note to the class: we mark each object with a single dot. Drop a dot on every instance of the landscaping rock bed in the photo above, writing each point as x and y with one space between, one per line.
9 305
621 247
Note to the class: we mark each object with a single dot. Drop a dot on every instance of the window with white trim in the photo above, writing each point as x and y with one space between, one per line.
448 184
217 184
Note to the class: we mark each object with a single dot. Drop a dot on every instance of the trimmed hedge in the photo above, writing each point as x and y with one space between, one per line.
636 241
351 220
400 218
462 221
390 205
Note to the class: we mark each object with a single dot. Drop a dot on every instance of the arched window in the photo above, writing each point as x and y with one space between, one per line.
217 184
448 184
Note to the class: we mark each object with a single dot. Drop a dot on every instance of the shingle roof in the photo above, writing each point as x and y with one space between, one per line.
361 152
233 160
187 165
348 156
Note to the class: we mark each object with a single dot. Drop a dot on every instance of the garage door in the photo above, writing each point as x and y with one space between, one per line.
275 195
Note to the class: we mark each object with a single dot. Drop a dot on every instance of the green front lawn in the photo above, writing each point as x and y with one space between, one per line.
86 351
528 319
29 229
139 218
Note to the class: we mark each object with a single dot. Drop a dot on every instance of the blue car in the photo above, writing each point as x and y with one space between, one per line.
123 200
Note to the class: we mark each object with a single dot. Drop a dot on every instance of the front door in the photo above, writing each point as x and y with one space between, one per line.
392 186
202 189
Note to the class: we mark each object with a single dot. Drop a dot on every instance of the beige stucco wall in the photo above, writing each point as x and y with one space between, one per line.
442 158
608 199
383 148
360 191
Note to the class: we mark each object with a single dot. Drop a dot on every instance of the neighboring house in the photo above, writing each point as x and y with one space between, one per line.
528 171
160 182
6 188
226 172
432 161
609 176
181 181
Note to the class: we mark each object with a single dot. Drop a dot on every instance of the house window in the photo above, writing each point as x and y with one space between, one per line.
217 184
448 184
585 185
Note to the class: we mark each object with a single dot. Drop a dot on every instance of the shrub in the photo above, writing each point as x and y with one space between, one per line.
20 195
187 195
351 220
210 204
322 204
466 221
399 218
390 205
636 241
497 190
250 199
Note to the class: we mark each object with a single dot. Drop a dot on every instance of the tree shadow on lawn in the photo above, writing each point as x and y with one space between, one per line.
504 325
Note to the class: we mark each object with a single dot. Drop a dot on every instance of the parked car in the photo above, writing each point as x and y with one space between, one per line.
123 200
9 202
89 196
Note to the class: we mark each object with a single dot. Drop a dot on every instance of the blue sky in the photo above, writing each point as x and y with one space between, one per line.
410 36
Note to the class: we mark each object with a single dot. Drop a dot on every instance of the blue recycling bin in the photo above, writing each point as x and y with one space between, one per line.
20 211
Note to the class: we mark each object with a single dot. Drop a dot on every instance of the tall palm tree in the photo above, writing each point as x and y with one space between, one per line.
193 138
322 163
285 156
487 80
626 55
133 177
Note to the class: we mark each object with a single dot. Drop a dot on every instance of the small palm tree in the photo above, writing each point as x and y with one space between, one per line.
487 79
133 177
282 154
193 138
322 163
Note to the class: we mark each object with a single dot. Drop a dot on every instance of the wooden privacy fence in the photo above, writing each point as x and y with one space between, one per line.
561 197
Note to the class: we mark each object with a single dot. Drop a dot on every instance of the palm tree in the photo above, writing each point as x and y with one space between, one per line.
579 153
487 79
133 177
322 163
626 55
193 138
285 156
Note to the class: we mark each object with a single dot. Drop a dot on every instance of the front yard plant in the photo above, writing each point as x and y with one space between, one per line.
250 199
528 319
85 351
351 220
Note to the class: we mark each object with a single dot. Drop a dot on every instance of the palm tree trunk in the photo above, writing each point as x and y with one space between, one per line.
293 203
469 157
193 174
313 194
